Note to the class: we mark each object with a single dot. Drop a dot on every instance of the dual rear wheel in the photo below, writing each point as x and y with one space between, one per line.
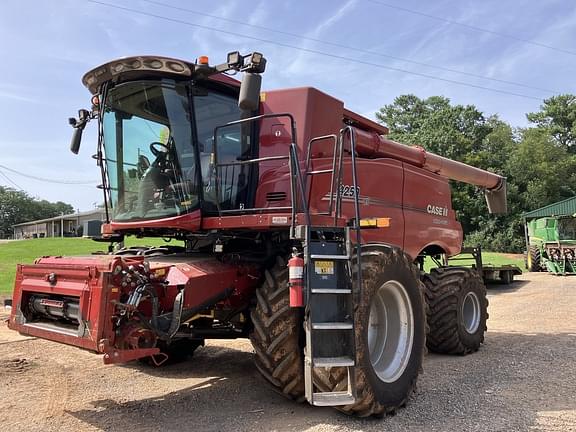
457 310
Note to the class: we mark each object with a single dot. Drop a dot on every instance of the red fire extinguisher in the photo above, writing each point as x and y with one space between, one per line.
296 280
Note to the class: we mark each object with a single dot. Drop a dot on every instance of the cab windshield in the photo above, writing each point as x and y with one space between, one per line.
567 228
157 159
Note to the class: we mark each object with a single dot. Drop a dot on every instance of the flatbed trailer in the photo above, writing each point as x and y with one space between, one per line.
491 274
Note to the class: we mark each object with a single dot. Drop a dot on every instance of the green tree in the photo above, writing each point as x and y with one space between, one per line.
17 207
543 171
455 131
539 162
557 116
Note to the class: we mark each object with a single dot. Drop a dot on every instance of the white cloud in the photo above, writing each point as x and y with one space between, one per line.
301 63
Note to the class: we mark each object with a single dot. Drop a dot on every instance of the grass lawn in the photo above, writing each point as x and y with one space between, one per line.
488 258
500 259
26 251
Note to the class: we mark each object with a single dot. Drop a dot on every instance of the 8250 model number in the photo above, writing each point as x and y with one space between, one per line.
347 191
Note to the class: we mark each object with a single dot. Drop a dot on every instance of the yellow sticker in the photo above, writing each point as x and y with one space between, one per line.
160 272
262 97
324 267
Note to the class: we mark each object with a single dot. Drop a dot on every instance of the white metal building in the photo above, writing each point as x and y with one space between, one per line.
72 225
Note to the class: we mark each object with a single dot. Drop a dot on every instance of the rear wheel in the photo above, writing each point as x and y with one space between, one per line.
533 257
277 334
507 277
457 310
390 335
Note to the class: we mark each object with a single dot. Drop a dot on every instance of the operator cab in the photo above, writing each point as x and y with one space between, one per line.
158 146
157 119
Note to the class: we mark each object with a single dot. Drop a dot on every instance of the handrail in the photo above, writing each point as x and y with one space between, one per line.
297 182
334 153
349 130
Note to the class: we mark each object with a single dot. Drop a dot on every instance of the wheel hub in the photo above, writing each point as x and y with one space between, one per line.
390 331
471 312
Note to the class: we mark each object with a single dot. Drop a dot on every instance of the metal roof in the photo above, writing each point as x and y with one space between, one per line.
72 216
566 207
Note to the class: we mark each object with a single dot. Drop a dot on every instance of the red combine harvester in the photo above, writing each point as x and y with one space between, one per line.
305 230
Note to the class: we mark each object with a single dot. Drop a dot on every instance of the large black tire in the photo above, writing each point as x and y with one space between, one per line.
457 310
277 334
533 258
375 397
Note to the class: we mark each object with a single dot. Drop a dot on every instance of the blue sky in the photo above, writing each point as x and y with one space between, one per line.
47 45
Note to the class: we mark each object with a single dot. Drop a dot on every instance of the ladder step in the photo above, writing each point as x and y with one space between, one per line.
330 257
330 291
333 361
332 326
332 399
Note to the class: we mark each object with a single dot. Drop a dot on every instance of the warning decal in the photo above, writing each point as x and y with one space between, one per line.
324 267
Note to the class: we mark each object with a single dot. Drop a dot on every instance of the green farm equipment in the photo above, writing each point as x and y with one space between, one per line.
552 245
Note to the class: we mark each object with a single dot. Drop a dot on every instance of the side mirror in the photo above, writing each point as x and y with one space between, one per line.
76 138
78 125
250 91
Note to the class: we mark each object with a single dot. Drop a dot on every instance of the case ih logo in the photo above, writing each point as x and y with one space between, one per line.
438 211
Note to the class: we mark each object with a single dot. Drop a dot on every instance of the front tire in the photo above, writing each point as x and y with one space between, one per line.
457 310
533 258
277 334
390 335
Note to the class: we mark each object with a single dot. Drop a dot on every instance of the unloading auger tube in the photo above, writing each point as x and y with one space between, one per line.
371 145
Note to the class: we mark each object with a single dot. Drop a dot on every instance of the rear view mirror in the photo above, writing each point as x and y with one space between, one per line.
78 125
76 138
250 91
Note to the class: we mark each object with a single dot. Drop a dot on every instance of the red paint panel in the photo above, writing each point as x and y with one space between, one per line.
380 195
314 112
83 278
250 221
187 222
203 278
424 194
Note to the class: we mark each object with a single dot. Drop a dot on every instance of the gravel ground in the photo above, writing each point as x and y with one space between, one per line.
522 379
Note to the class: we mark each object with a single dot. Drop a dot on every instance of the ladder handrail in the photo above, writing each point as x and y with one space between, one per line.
349 130
297 180
334 158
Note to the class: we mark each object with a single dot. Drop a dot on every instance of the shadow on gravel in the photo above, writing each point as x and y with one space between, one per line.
499 288
231 395
515 382
207 361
